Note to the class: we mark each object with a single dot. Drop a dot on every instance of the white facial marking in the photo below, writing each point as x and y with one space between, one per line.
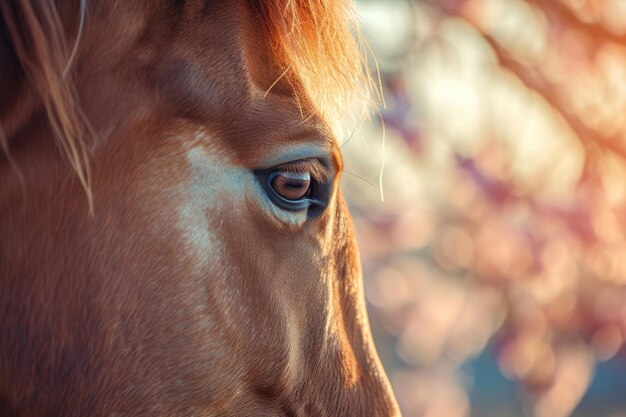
215 189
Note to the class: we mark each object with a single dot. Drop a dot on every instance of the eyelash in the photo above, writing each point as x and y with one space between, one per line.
304 166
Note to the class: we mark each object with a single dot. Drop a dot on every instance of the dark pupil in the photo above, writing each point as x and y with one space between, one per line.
292 185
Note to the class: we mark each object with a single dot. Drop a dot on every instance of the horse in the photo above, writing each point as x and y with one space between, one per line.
173 240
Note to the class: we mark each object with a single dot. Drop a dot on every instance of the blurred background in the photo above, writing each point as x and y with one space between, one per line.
495 268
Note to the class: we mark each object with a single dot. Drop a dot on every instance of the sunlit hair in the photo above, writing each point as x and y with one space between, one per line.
317 42
38 38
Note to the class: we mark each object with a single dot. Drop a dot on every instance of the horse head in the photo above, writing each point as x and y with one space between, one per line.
173 240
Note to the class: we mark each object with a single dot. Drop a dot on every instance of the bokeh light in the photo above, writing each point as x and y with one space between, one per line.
501 240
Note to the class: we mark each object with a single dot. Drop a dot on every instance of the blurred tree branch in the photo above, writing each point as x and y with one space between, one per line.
562 12
536 83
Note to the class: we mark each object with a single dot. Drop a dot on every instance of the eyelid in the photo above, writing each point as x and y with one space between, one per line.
318 171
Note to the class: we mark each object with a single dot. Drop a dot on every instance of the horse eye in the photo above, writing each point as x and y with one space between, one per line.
291 185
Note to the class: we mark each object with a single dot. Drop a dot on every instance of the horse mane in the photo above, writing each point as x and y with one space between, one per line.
314 41
37 38
319 42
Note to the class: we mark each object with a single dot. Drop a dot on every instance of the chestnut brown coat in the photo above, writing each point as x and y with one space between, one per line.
148 266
